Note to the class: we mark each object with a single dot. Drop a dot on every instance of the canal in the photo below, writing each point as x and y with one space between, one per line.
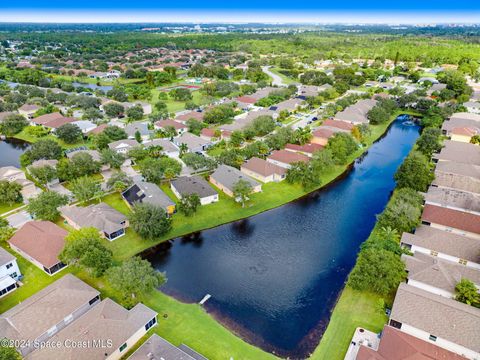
275 277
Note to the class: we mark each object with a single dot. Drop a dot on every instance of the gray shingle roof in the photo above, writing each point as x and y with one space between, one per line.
444 242
459 152
356 113
193 185
228 176
457 176
453 198
445 318
157 347
146 192
5 257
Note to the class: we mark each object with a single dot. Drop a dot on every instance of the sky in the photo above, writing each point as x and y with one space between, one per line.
278 11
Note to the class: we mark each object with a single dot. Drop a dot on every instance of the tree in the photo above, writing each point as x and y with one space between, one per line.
429 141
10 192
403 212
84 247
195 126
181 94
342 145
475 139
376 270
241 191
112 158
81 164
135 276
189 204
135 112
154 170
467 293
13 124
197 161
70 133
149 221
9 353
45 205
43 174
86 188
113 109
305 174
119 181
115 133
42 149
415 172
378 115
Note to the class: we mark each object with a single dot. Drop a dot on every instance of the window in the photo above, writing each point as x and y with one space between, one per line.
462 262
122 347
434 253
432 337
94 300
150 324
9 265
13 275
395 324
425 223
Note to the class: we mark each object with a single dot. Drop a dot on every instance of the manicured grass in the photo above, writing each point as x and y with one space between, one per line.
173 105
32 139
286 79
6 207
354 309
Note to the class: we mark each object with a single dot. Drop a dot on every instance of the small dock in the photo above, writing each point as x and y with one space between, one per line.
205 298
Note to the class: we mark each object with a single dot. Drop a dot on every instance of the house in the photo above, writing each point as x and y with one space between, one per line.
289 105
458 152
447 323
11 173
42 315
454 221
342 125
165 124
98 130
226 177
43 119
157 347
436 88
168 148
28 110
40 242
5 114
464 134
306 149
150 193
437 275
208 134
305 91
108 324
444 245
185 185
85 125
458 176
193 142
195 115
245 119
9 272
472 106
123 146
95 154
110 223
397 345
322 134
285 158
43 163
138 127
263 170
356 113
453 199
461 127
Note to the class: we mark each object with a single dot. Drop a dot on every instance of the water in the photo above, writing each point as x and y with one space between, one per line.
10 151
275 277
104 88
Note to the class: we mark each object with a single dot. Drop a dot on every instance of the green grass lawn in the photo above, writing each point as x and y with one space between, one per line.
173 105
354 309
286 79
22 135
6 207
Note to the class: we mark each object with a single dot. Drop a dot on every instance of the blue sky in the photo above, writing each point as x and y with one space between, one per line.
403 11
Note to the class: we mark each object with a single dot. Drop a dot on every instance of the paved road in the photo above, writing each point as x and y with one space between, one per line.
277 80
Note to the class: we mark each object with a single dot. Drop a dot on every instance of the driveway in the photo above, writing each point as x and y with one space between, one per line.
277 80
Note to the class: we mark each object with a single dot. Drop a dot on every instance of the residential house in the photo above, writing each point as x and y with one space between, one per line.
95 154
193 142
123 146
243 120
307 149
472 106
322 134
356 113
98 130
165 124
397 345
447 323
195 115
40 242
9 272
289 105
185 185
209 134
444 244
43 163
458 152
110 223
263 170
454 221
150 193
342 125
168 148
107 323
458 176
5 114
44 119
157 347
28 110
226 177
439 276
42 315
85 125
436 88
138 127
285 158
305 91
453 199
13 174
461 127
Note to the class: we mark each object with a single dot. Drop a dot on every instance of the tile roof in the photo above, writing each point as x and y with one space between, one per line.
459 152
146 192
196 115
356 113
452 218
288 157
445 318
338 124
458 176
166 123
306 148
157 347
41 240
43 119
5 257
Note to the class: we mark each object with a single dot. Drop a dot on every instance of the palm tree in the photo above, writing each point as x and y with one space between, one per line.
390 233
183 149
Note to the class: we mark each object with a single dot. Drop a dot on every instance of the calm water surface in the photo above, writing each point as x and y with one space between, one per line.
275 277
10 151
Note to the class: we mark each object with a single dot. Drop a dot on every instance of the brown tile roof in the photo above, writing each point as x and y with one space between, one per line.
29 107
338 124
452 218
41 240
467 131
43 119
444 242
325 132
263 167
207 132
246 99
437 315
306 148
56 123
166 123
288 157
99 129
397 345
190 115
